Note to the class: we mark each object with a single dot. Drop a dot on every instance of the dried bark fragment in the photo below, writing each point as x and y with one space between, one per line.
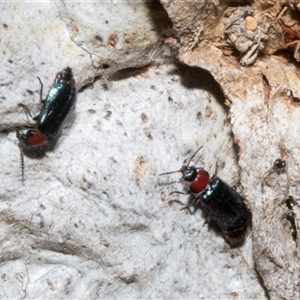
245 34
226 24
195 20
291 31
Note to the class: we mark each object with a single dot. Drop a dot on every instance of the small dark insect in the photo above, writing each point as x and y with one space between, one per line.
49 122
279 166
223 204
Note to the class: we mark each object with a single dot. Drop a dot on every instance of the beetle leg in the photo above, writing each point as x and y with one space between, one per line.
41 90
185 206
181 193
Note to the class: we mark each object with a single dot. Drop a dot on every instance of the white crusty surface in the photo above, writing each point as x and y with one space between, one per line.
92 219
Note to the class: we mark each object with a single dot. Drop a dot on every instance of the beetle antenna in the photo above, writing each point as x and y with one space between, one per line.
180 170
22 163
189 161
167 173
17 130
21 156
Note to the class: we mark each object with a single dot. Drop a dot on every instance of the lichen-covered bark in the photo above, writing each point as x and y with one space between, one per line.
262 87
261 27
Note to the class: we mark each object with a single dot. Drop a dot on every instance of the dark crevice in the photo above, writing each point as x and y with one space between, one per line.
288 55
130 72
239 3
160 19
194 77
267 88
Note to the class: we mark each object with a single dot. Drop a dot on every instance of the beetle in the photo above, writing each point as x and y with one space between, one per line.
57 106
221 202
49 122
